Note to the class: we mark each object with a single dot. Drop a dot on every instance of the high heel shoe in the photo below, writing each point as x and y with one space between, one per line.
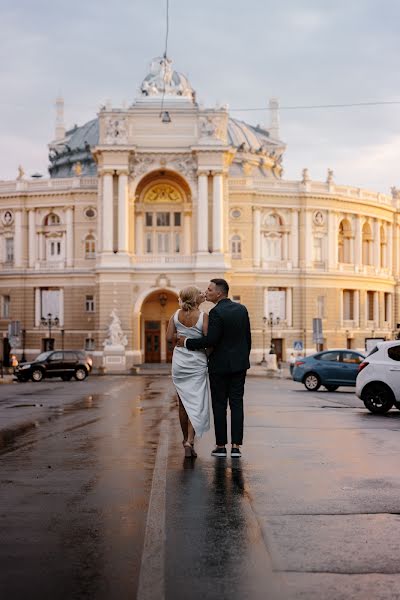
188 449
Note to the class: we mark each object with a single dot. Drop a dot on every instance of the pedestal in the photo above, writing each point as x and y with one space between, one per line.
114 359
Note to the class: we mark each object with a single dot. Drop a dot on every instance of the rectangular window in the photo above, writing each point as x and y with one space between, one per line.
162 243
177 243
348 305
50 303
317 249
149 219
387 307
89 344
321 307
5 307
149 243
163 219
370 306
89 303
177 219
9 250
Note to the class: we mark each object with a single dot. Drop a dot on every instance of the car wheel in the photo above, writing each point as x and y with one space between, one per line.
80 374
37 375
331 388
66 377
378 399
312 382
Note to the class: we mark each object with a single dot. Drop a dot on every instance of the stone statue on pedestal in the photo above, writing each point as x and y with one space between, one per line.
116 336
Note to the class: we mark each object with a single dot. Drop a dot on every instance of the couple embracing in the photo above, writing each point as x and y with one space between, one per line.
219 343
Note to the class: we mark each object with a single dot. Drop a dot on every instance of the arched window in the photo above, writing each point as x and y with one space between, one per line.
383 248
90 246
275 240
52 219
367 245
344 242
236 246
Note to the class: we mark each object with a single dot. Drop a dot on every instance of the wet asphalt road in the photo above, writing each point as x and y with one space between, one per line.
97 501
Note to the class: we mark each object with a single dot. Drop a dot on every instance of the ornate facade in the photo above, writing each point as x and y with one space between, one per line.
144 200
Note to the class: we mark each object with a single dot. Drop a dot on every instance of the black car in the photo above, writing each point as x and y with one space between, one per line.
56 363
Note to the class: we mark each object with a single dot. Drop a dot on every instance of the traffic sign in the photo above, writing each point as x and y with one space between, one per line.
298 346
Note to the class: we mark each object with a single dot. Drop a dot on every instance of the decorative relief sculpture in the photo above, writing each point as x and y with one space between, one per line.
163 193
77 169
185 165
318 218
212 127
116 130
21 173
138 166
7 217
116 336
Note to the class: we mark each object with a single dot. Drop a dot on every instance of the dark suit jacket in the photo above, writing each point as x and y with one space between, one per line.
230 337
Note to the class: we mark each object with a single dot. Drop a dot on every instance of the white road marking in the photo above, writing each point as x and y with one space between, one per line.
152 569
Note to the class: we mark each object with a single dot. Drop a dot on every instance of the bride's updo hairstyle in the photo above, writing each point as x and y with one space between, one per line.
188 297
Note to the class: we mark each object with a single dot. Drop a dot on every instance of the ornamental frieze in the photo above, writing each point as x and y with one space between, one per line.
163 193
183 164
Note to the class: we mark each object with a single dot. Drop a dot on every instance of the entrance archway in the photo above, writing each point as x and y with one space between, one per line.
156 312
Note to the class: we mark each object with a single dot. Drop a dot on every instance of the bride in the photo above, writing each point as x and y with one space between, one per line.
189 369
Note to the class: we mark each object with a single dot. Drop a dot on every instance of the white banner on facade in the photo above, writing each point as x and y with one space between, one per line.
50 304
276 304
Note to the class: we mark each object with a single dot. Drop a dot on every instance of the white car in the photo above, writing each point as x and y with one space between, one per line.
378 379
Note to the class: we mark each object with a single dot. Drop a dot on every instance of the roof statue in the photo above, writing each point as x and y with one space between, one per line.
162 80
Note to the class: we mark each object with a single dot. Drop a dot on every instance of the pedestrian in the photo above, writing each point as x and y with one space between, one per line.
229 337
292 362
189 369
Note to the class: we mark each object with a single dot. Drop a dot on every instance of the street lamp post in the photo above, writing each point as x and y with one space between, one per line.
62 339
263 361
271 323
49 322
23 357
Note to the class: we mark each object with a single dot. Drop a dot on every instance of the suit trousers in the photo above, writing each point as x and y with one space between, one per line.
224 387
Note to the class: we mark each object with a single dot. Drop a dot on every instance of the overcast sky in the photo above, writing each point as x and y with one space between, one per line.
305 52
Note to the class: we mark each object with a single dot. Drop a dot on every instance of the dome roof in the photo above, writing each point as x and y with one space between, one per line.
78 142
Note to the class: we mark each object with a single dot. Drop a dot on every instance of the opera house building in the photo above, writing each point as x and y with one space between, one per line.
146 199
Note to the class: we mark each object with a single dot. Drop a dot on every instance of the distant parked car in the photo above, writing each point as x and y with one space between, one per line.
56 363
378 379
330 368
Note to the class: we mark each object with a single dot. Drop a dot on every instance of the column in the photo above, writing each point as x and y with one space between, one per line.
69 238
341 308
389 310
376 309
187 242
218 213
295 238
123 212
139 234
356 308
308 239
332 240
358 243
41 246
108 213
377 245
18 239
32 239
389 248
202 212
256 237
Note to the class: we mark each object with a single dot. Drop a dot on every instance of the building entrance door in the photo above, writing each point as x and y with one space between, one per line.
152 336
277 342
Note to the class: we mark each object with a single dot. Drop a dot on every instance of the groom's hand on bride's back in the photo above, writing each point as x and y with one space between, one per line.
180 341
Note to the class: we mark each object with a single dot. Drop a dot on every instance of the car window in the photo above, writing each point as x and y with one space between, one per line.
329 356
56 356
43 355
373 351
352 358
70 355
394 352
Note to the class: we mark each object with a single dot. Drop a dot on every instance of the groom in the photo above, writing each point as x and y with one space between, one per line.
230 339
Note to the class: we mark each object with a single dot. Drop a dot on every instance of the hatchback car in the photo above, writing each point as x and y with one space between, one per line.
330 368
378 379
55 363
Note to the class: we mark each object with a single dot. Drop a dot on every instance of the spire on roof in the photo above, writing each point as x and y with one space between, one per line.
274 118
60 125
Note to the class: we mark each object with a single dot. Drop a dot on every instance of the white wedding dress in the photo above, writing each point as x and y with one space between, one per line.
189 374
